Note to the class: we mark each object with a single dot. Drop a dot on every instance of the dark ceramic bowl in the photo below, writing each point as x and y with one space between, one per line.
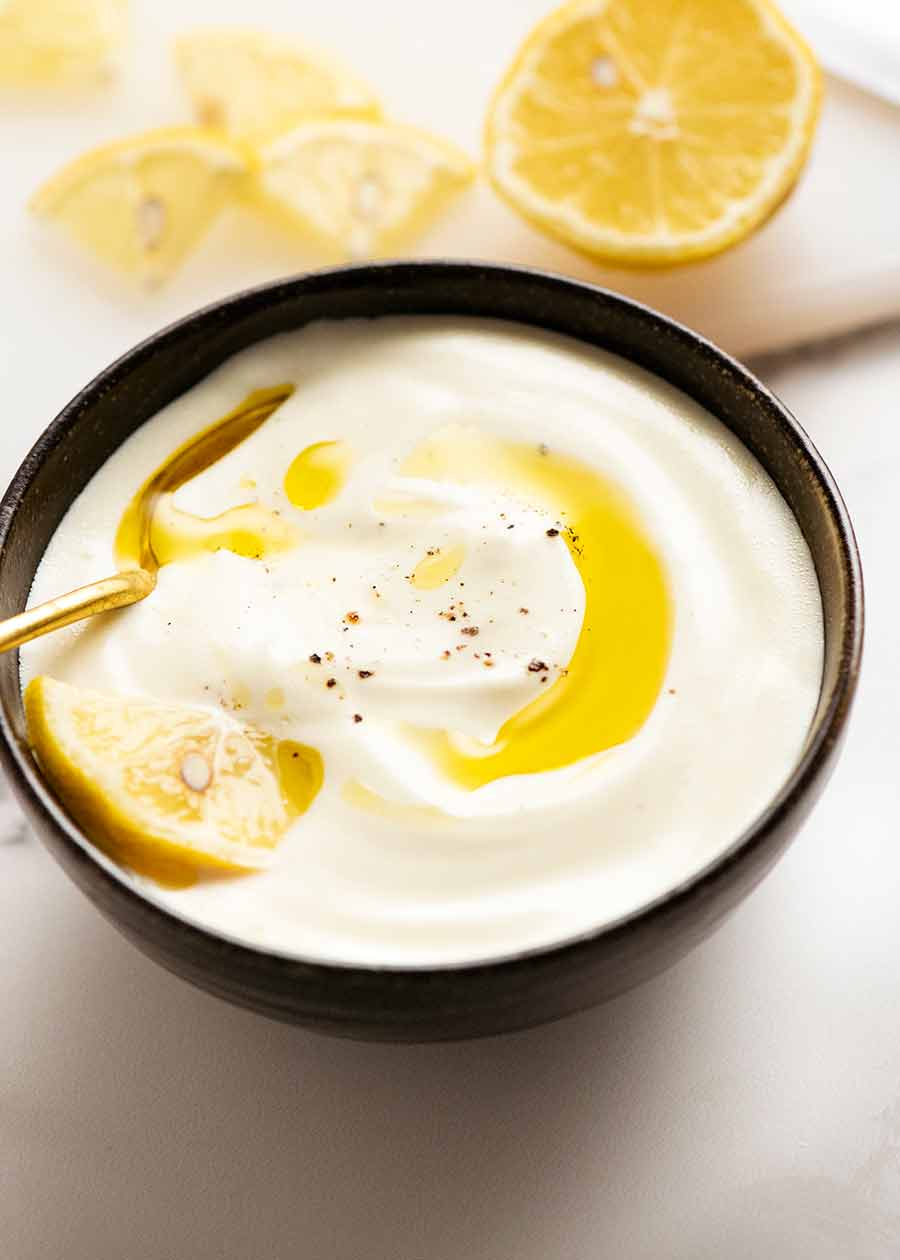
413 1004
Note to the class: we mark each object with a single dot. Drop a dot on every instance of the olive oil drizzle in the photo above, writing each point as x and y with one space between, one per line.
317 475
605 693
598 699
249 530
301 773
438 567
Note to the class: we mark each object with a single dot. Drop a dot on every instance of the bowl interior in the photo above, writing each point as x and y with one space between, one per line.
145 380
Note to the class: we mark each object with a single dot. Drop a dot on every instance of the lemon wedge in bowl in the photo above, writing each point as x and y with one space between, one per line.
143 203
254 84
359 189
46 42
166 789
648 133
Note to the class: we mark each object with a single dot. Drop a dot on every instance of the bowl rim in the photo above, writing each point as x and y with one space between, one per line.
824 734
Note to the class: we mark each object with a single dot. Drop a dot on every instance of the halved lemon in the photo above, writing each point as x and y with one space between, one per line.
143 203
359 189
168 789
255 84
652 132
50 41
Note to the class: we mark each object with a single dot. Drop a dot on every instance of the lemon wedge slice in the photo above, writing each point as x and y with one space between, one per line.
52 41
167 789
647 133
359 189
143 203
254 84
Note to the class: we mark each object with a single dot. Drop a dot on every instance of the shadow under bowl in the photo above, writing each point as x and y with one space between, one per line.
437 1002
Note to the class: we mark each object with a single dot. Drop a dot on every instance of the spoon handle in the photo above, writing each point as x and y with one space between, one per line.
86 601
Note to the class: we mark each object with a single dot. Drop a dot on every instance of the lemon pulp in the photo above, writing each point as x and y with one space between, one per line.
142 204
356 188
165 789
59 41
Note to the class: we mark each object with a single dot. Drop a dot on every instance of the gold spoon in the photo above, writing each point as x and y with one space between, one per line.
134 547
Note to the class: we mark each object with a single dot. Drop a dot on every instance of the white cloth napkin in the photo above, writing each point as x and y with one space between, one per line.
858 40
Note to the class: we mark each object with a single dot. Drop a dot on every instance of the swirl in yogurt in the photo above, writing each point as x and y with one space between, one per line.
551 628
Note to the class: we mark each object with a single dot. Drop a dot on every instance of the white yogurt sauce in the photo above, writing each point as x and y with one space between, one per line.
526 860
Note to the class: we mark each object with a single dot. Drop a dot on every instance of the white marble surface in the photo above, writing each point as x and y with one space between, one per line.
746 1104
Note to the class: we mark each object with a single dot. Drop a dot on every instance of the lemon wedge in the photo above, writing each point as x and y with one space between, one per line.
167 789
142 204
653 132
359 189
254 84
52 41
